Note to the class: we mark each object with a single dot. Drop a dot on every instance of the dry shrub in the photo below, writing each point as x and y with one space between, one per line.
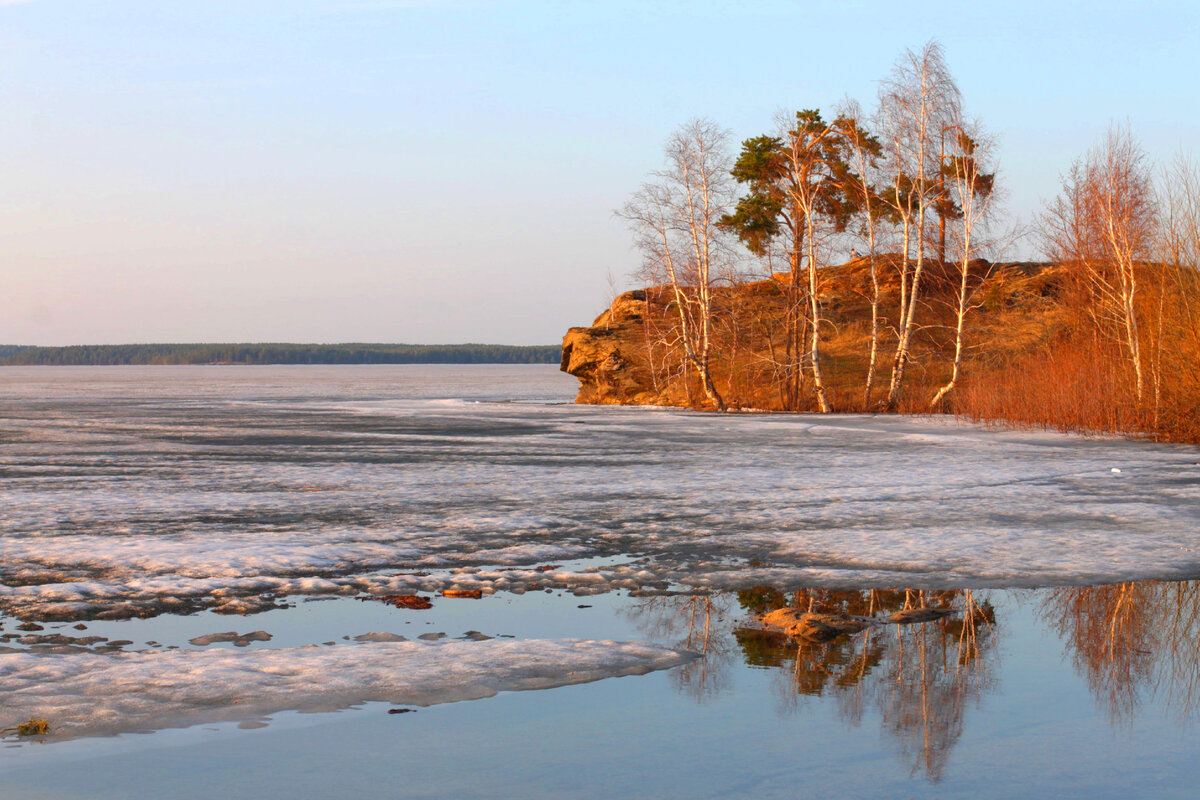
1074 384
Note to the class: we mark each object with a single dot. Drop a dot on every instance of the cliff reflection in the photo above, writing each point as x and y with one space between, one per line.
920 677
1132 642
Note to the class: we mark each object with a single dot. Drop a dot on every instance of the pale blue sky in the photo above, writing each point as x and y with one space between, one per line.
443 171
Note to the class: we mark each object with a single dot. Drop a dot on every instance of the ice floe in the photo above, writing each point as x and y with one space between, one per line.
97 694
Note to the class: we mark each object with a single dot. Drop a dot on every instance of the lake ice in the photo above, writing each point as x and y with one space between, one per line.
134 492
106 693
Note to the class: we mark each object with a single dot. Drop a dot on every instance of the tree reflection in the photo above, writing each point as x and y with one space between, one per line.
920 678
700 623
1132 642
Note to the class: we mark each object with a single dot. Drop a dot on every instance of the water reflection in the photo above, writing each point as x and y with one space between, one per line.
919 678
702 623
1133 642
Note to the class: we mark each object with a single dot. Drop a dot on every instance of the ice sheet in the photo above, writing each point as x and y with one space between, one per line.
95 694
170 493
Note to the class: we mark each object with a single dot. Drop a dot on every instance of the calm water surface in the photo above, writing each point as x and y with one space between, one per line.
1074 690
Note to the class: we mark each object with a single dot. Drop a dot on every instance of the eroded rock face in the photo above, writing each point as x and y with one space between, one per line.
609 358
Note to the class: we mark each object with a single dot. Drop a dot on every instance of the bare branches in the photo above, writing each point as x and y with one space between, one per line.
864 156
674 220
972 183
1104 222
918 102
908 192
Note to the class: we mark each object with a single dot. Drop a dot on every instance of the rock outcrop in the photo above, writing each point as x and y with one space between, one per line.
610 358
631 355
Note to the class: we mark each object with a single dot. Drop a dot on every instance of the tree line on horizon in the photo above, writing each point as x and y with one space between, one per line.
281 353
910 191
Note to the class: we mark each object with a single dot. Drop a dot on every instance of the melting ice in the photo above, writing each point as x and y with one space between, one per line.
88 694
133 492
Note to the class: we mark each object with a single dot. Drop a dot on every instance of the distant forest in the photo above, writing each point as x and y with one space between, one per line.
354 353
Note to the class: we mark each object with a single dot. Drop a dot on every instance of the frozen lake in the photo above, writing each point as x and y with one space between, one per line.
157 505
130 491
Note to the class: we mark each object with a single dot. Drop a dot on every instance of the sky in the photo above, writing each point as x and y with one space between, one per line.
440 171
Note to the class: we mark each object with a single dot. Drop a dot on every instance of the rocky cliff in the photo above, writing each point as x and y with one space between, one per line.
629 356
611 358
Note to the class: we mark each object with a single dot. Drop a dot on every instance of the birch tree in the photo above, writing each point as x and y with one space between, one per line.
973 188
1175 354
674 219
1180 200
1105 222
863 153
917 101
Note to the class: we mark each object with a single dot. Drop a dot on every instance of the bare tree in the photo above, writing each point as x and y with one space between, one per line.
863 155
973 188
1105 222
1178 340
917 102
1180 199
675 222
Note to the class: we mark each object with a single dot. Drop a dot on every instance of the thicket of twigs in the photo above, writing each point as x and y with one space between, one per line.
1130 360
1082 379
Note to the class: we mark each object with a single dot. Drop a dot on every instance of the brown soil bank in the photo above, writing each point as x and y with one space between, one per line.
1034 354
